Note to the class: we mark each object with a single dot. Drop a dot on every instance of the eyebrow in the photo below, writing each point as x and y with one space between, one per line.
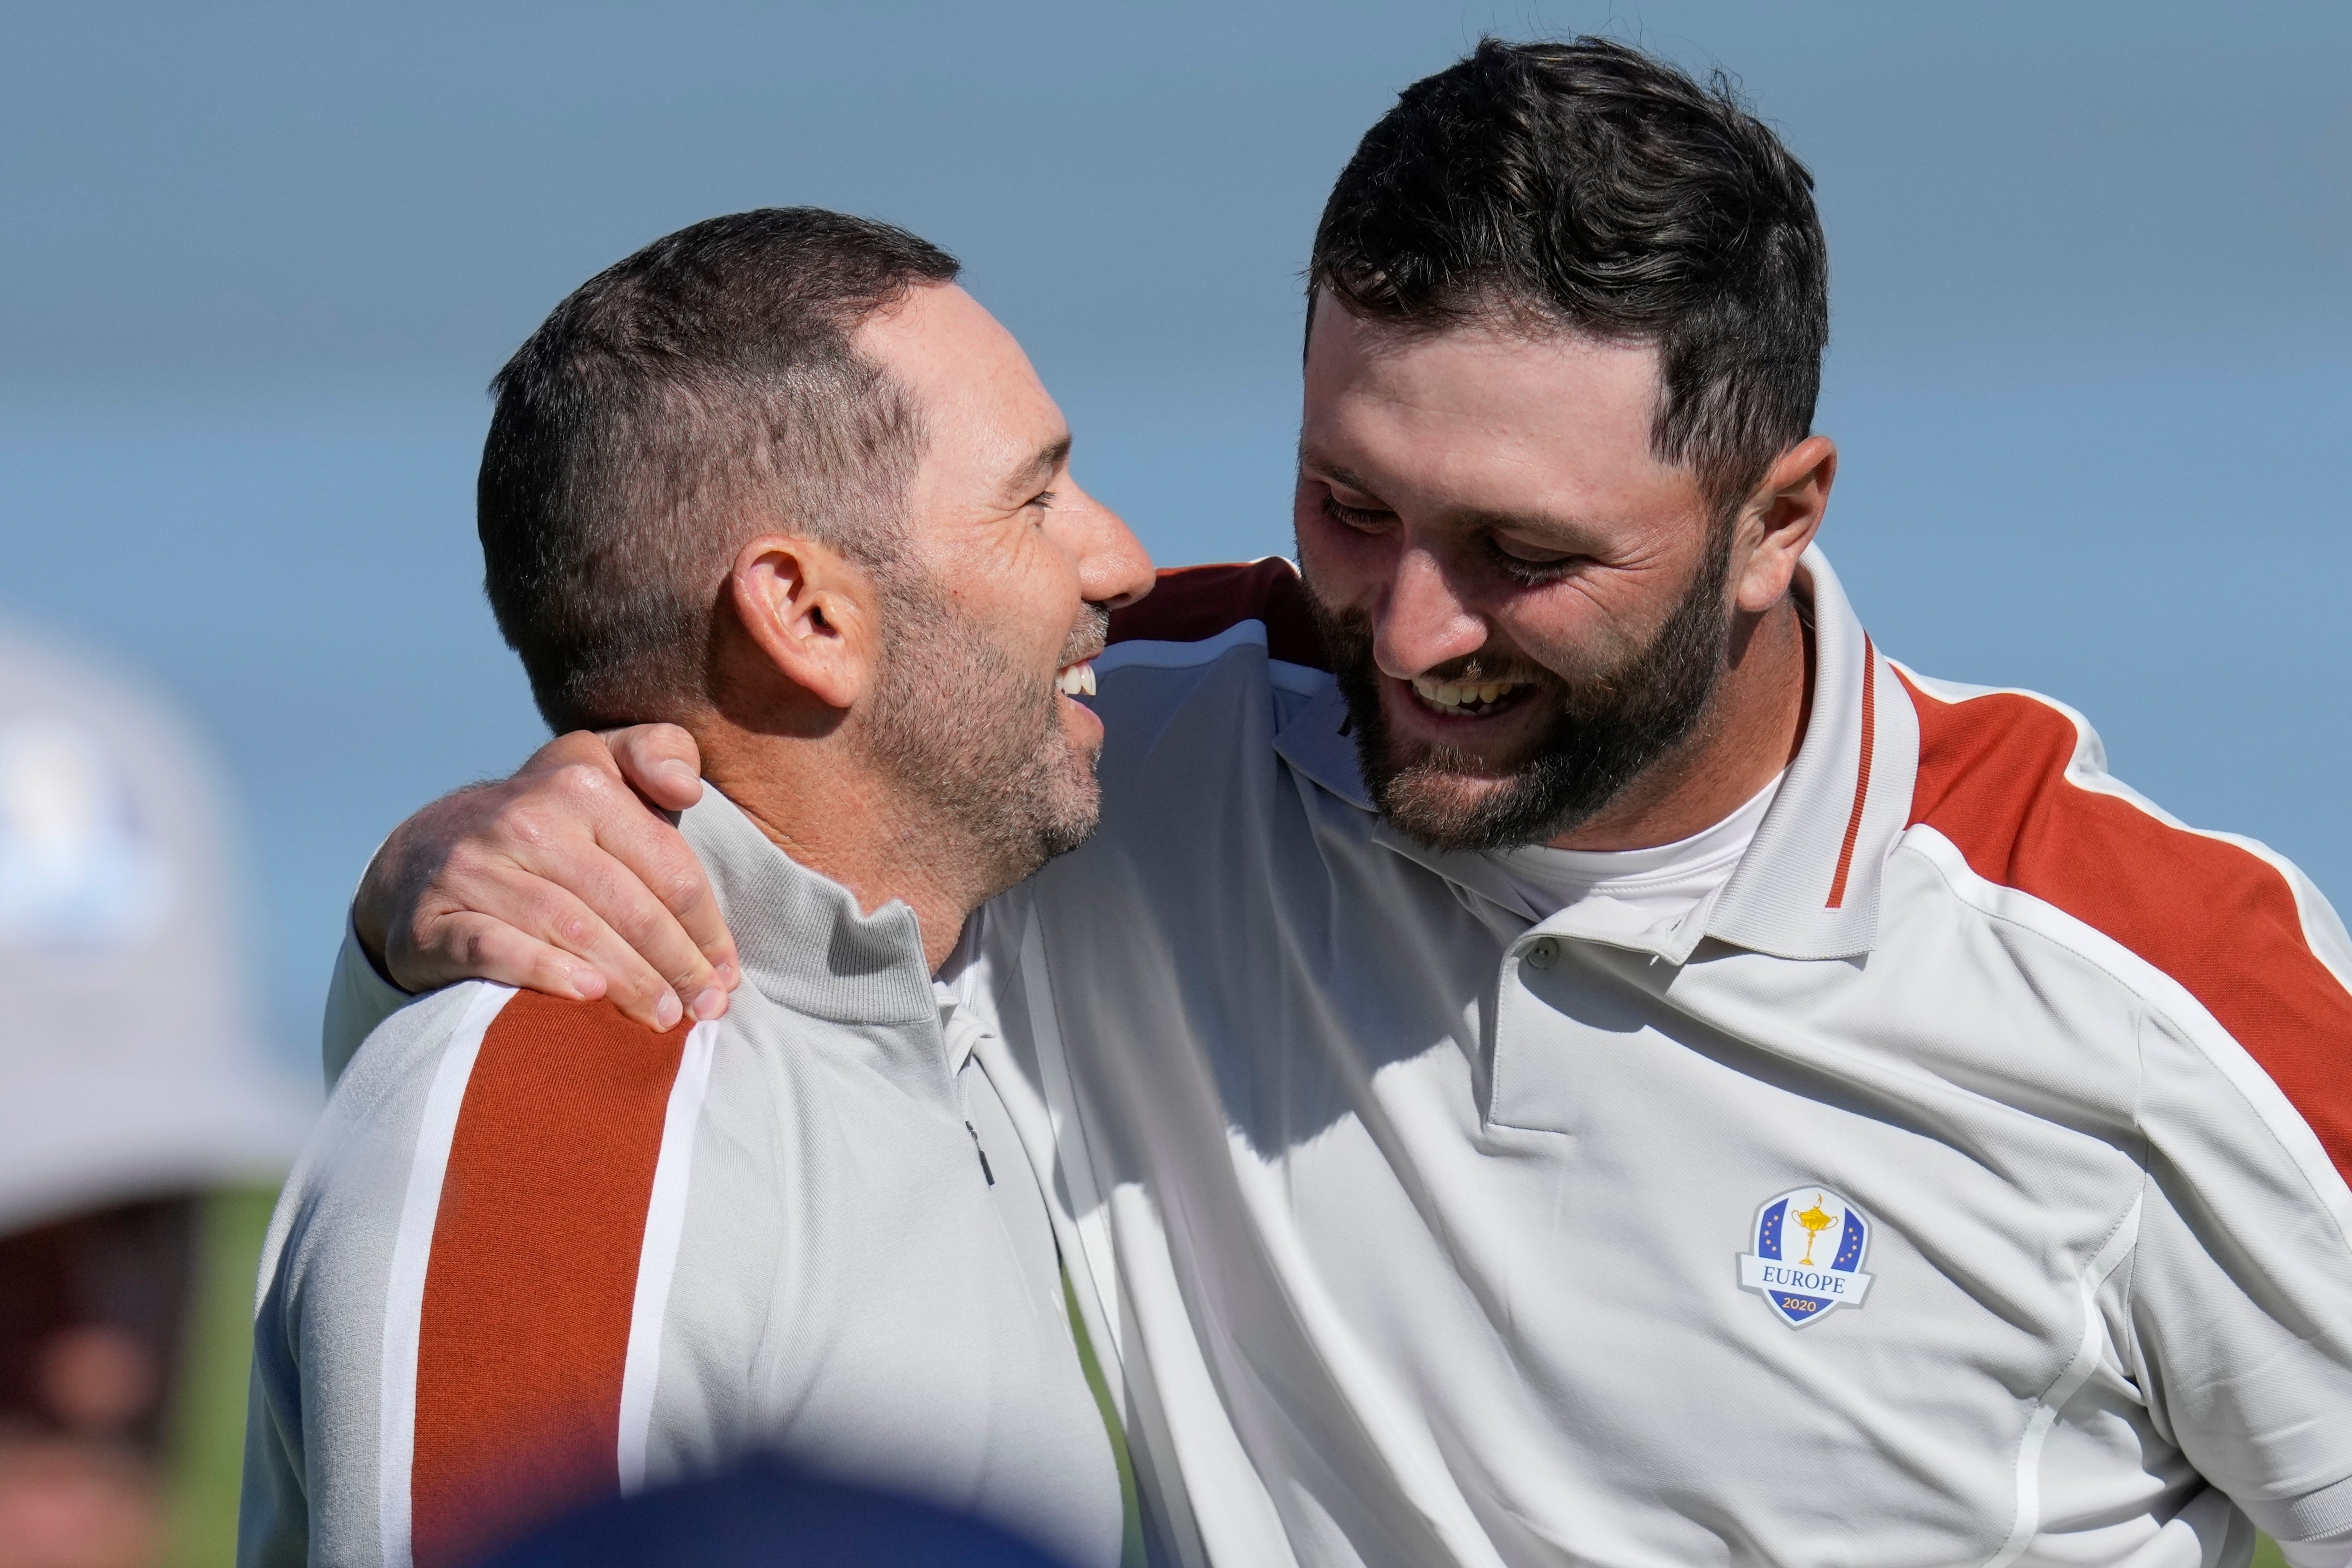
1340 473
1047 458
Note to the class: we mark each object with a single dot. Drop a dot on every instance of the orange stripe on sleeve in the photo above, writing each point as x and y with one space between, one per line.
525 1328
2221 921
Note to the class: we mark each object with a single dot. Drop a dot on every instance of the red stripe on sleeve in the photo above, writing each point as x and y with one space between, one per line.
2221 921
1194 603
533 1272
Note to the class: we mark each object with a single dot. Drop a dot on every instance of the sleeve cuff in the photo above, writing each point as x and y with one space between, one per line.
2314 1531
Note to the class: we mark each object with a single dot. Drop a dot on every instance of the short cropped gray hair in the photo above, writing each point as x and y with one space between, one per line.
679 403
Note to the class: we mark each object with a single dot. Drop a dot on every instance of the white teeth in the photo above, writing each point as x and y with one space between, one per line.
1075 680
1458 697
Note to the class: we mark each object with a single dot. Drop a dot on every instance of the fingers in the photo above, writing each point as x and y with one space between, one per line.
543 865
660 761
583 830
468 946
574 749
544 936
560 879
692 945
621 920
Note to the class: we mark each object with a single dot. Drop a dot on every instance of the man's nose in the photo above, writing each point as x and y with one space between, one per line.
1114 571
1421 622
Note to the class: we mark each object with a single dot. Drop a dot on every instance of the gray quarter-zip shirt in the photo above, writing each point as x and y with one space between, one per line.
536 1252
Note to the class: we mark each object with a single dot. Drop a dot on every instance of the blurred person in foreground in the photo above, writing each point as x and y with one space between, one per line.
135 1118
760 1514
777 480
1562 1052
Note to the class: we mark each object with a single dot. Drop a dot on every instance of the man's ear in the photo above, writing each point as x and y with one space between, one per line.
811 612
1779 520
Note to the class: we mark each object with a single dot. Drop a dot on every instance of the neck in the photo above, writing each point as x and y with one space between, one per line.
839 818
1749 732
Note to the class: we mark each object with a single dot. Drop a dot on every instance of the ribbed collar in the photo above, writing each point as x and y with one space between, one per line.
801 937
1808 886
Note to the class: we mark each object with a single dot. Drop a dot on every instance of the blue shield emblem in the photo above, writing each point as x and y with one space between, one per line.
1809 1244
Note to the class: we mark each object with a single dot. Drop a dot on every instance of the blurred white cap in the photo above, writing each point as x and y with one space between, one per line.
130 1066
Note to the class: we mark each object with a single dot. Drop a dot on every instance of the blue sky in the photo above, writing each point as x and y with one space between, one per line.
2088 369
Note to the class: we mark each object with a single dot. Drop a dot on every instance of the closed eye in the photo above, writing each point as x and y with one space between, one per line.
1363 517
1525 564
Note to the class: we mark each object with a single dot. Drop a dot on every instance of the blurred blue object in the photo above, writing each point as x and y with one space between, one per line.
762 1514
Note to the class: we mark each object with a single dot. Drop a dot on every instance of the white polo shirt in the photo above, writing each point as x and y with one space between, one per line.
1963 1184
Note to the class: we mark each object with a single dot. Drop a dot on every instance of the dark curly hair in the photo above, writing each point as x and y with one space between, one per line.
1586 186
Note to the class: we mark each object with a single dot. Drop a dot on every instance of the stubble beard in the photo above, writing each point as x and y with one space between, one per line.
1606 730
976 742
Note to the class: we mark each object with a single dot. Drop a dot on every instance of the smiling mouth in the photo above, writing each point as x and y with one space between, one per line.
1077 680
1467 699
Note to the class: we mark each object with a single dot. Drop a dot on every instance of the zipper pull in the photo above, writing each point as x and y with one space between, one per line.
981 1152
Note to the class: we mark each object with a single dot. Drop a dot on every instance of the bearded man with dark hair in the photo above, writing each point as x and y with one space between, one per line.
1582 192
1562 1052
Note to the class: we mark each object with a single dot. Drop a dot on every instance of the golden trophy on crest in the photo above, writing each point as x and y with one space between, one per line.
1815 1221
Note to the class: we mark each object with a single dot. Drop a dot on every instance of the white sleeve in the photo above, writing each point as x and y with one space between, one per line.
315 1470
2241 1292
358 999
273 1526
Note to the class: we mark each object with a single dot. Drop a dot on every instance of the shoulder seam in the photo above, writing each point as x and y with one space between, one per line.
2190 1015
2017 784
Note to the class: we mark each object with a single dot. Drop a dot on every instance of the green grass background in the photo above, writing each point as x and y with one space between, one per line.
207 1444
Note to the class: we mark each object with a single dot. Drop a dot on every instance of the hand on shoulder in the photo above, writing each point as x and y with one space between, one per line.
564 879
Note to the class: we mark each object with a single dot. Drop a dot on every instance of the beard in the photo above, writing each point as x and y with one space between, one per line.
1605 731
976 739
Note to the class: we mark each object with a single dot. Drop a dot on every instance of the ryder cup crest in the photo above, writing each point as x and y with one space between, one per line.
1809 1244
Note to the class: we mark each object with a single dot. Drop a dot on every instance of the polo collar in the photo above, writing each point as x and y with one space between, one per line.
1316 742
801 937
1808 886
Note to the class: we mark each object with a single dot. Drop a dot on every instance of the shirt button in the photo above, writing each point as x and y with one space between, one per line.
1543 954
